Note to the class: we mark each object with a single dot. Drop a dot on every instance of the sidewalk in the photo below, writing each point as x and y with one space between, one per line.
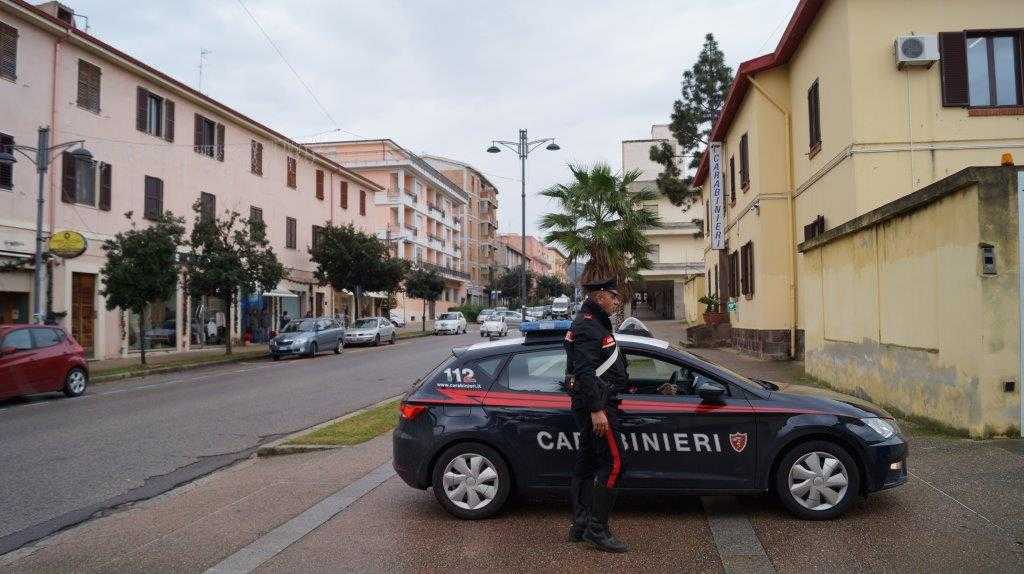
112 369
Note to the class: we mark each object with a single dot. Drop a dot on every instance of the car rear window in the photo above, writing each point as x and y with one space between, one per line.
537 371
45 337
19 339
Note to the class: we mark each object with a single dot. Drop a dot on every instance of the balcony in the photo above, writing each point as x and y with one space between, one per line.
385 198
444 271
412 229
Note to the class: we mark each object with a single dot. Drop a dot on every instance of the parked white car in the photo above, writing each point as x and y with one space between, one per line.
397 319
494 326
453 322
371 330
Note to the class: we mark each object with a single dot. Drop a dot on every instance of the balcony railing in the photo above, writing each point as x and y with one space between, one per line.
443 270
412 229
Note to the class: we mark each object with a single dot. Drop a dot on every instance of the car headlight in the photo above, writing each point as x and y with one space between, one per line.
883 427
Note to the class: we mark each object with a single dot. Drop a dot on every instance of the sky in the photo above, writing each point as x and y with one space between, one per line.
447 77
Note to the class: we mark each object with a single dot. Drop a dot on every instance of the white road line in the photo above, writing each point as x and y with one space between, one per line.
738 546
968 508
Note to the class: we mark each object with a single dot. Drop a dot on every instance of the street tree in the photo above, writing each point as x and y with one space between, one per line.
703 91
602 222
349 259
230 256
424 284
142 267
550 286
510 283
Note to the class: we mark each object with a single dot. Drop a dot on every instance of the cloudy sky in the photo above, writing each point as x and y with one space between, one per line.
447 77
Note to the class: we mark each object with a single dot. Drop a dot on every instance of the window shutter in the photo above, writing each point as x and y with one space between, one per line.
362 202
8 52
141 105
88 86
6 171
319 184
744 162
344 195
105 181
220 142
750 266
953 65
68 178
169 120
199 134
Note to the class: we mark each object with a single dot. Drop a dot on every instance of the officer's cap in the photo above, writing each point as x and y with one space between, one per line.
599 285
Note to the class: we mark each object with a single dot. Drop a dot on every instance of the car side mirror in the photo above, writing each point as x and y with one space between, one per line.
8 351
710 391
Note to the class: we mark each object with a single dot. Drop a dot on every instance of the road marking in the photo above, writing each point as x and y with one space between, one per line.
738 546
274 542
968 508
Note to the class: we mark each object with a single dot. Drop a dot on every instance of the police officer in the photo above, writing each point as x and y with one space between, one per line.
596 373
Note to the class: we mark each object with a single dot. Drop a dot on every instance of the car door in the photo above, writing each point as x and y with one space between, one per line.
49 359
17 368
389 329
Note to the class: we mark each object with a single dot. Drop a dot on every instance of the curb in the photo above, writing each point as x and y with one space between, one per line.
278 447
99 379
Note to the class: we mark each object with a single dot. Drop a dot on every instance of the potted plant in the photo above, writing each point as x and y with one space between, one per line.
713 314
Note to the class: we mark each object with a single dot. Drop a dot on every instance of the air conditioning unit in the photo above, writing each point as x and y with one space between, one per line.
917 51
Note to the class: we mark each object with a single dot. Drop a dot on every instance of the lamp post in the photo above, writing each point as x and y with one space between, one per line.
523 147
43 157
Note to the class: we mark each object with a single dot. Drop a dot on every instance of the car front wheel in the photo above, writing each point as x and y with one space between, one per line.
471 481
376 340
75 382
312 349
339 347
394 337
817 480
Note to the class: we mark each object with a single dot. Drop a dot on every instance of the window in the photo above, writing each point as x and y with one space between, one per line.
814 228
154 115
734 274
981 69
255 215
656 253
81 179
813 118
20 340
209 138
8 52
45 337
256 157
649 373
344 195
88 86
207 206
318 236
732 179
744 163
541 371
292 169
290 241
319 184
6 171
362 202
747 268
154 198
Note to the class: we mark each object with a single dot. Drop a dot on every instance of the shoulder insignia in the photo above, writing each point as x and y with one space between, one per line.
588 316
608 341
569 337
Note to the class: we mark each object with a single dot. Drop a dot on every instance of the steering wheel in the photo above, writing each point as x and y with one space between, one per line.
674 378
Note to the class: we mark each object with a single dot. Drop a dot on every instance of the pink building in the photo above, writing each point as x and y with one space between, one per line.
419 210
158 145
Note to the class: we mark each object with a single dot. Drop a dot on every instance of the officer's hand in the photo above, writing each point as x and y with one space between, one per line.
599 421
668 389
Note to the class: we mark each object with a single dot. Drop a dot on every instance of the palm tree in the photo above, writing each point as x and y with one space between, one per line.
603 222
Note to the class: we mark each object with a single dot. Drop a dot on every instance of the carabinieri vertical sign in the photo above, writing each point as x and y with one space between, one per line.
717 206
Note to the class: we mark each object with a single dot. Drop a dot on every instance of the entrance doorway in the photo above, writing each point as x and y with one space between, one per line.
654 300
13 307
83 311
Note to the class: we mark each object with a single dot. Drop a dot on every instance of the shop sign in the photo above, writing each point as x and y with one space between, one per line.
67 244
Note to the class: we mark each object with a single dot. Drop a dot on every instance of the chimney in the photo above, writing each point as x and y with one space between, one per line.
59 11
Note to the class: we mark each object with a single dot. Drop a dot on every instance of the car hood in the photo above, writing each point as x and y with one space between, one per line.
293 336
814 397
361 331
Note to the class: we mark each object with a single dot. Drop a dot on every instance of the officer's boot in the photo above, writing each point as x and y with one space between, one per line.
597 527
581 494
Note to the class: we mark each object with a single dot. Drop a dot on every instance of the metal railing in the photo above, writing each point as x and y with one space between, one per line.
443 270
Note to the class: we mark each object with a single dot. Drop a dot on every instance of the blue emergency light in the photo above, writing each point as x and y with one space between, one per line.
545 327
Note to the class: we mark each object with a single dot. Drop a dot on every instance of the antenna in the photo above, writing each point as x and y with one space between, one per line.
203 52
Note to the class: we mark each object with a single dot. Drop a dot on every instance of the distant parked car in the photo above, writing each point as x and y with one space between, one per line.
536 312
374 330
484 315
308 337
40 359
561 308
494 326
451 322
397 319
512 318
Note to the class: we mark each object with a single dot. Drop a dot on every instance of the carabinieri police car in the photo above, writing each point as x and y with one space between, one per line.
492 418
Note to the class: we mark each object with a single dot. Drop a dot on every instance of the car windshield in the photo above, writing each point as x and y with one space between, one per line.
447 317
302 326
365 324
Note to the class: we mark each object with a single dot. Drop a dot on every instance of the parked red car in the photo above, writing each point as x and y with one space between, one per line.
40 359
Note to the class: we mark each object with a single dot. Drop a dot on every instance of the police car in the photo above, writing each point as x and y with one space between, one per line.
492 418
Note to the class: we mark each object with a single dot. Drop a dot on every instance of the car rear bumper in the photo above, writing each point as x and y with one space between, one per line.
410 458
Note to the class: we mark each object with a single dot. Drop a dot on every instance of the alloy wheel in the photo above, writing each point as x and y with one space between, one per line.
76 382
818 481
470 481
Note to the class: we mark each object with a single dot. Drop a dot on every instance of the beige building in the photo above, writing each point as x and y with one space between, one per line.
158 145
832 136
678 247
557 263
480 227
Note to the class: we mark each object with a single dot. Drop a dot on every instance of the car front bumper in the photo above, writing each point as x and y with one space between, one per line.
362 338
280 349
885 464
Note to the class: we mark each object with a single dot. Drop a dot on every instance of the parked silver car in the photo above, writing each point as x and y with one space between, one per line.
308 337
373 330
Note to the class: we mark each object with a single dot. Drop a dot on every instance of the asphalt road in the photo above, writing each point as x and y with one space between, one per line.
65 460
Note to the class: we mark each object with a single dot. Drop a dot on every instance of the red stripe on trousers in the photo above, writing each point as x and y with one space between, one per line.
613 448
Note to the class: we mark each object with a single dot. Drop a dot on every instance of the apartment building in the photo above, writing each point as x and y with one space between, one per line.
158 145
419 211
677 245
537 259
835 160
558 263
480 227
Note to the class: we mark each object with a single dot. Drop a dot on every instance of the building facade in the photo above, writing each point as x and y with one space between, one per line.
158 146
832 126
419 211
677 245
480 227
537 258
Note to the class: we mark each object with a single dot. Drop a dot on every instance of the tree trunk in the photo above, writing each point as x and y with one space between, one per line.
227 327
142 332
423 319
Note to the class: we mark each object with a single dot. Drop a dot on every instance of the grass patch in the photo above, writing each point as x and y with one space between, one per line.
178 361
356 429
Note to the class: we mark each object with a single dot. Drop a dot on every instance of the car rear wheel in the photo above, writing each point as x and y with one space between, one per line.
817 480
75 382
394 337
376 340
471 481
338 348
312 349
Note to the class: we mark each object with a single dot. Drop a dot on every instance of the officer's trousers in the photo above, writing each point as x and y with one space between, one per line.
598 459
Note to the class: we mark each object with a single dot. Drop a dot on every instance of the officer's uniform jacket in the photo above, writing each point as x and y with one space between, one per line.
595 365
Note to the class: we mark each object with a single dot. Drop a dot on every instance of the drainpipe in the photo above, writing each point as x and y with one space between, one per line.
1020 293
789 212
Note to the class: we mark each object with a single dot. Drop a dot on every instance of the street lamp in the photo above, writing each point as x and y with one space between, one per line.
523 147
43 157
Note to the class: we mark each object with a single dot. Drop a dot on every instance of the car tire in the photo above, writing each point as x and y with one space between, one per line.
75 382
339 347
312 350
275 356
491 470
803 477
394 338
376 340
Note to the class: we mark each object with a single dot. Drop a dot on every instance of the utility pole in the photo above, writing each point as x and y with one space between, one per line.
203 52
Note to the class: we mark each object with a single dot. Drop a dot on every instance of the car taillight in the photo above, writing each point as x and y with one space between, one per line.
409 412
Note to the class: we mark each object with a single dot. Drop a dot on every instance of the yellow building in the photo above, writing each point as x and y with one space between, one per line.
862 104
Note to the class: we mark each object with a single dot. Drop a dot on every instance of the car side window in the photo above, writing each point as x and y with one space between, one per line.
648 374
470 375
20 340
537 371
45 338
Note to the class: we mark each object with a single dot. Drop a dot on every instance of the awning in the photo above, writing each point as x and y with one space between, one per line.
375 295
279 292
